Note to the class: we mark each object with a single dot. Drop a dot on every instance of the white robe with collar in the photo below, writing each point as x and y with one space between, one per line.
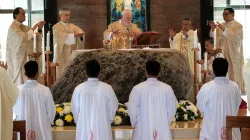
93 105
35 105
152 106
216 100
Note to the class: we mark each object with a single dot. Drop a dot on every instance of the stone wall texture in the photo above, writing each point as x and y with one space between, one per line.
124 69
91 16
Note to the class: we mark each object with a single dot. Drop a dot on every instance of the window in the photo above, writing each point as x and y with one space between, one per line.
34 13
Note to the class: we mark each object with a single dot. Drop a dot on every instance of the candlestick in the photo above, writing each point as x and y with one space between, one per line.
195 39
205 61
55 55
48 41
34 42
215 38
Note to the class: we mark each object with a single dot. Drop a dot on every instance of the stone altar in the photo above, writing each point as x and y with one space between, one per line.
123 69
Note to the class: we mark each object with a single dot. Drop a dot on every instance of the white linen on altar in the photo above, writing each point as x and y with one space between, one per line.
216 100
35 105
152 106
93 105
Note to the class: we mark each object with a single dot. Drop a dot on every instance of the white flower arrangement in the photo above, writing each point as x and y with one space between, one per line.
186 111
64 116
121 116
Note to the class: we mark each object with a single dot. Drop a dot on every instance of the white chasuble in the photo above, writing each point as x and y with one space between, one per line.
9 94
66 43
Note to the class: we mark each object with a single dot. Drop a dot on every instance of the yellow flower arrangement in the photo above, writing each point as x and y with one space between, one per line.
59 109
68 118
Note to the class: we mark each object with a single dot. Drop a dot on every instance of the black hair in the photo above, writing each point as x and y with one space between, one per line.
220 67
153 68
31 69
92 68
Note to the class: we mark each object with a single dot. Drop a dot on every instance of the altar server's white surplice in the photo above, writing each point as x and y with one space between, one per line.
94 105
216 100
152 106
35 105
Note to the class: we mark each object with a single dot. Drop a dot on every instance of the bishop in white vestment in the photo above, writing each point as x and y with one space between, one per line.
19 44
8 96
229 38
68 37
184 41
35 105
152 106
93 105
216 100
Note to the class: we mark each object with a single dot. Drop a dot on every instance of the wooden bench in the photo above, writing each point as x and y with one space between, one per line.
242 122
19 126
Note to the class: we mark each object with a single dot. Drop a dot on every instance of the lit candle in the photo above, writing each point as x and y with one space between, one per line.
215 38
34 42
205 61
199 52
199 73
55 51
195 39
48 41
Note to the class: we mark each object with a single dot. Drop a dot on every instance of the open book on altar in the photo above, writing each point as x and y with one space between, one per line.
148 39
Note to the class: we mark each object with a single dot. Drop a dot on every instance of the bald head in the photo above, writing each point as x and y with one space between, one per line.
126 17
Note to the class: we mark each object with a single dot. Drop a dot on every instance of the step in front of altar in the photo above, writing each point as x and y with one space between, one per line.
180 131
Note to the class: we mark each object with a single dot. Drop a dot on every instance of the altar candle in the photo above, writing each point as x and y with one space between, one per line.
55 51
199 52
215 38
34 42
43 64
205 61
43 45
195 39
199 73
48 41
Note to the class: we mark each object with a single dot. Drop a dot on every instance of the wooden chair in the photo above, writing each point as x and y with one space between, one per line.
242 122
19 126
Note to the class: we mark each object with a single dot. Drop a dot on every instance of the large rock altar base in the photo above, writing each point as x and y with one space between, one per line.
123 69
